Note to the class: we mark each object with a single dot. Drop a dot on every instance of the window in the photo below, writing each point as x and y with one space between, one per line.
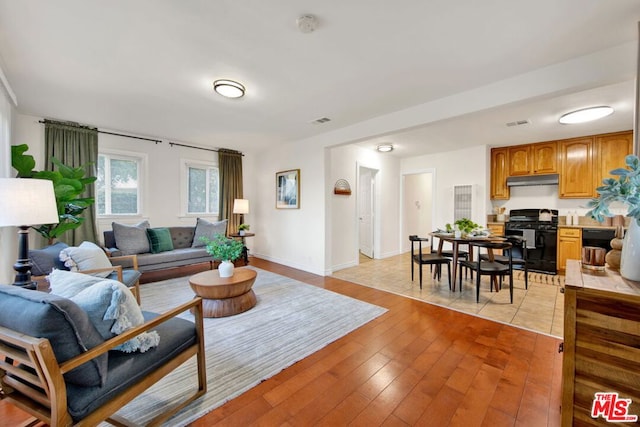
118 184
203 189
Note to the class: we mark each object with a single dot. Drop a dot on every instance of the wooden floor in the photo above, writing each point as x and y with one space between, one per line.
417 364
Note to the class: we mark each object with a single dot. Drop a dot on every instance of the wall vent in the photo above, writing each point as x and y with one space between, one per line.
462 202
518 123
321 120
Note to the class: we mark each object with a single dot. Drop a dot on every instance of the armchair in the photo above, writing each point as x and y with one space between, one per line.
57 367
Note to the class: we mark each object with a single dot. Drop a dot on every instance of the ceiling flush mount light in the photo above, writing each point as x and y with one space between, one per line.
385 148
586 115
228 88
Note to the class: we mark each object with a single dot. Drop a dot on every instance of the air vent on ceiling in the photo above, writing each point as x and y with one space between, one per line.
321 120
518 123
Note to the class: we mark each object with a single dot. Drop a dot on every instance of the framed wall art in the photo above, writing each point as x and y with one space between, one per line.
288 189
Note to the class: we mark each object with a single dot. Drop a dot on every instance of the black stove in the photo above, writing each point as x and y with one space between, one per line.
541 237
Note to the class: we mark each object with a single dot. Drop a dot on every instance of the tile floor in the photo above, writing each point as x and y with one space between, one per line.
540 308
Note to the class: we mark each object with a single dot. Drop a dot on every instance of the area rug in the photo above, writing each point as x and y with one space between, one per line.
290 321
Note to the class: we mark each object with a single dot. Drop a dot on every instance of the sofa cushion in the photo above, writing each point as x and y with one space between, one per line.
159 240
46 259
182 236
111 307
59 320
131 239
126 369
208 229
87 256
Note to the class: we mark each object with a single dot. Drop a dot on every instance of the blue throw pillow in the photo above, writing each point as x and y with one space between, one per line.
47 259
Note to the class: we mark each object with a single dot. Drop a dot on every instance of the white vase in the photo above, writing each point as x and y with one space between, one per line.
225 269
630 257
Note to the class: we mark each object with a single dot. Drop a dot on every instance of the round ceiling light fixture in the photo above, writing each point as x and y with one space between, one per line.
307 23
228 88
384 148
585 115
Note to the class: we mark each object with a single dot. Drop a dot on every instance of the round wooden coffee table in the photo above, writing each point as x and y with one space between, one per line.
225 296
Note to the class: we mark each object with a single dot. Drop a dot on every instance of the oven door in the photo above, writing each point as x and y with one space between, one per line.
541 255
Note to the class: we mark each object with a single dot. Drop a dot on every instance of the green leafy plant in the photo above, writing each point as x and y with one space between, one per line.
625 189
69 184
465 225
243 227
223 248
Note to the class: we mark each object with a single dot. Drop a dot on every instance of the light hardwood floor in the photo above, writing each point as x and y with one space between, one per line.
418 364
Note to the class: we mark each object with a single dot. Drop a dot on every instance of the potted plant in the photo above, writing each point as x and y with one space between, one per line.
68 184
224 249
242 229
626 190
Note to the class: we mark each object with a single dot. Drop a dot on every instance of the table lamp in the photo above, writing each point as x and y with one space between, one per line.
26 202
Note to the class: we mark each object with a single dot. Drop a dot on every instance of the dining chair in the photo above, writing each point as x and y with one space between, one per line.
432 259
489 266
519 256
462 254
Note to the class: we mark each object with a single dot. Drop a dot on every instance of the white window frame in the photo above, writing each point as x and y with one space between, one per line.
184 185
142 160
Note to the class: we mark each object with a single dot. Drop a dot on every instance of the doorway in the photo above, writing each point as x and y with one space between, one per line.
366 211
417 205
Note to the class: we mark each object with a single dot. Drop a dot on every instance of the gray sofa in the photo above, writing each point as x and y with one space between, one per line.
168 263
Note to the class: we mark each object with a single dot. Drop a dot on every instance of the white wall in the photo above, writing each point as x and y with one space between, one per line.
8 235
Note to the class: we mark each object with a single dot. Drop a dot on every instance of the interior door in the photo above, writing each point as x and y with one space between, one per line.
366 193
417 206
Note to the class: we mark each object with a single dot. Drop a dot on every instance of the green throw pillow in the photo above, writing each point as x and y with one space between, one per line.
159 240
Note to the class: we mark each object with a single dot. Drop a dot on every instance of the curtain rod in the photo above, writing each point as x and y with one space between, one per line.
215 150
157 141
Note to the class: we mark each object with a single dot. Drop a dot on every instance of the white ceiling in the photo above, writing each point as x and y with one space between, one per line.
147 66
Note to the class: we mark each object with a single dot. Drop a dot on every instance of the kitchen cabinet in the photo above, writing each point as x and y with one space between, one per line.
520 160
601 344
499 173
496 229
610 151
576 168
544 158
569 246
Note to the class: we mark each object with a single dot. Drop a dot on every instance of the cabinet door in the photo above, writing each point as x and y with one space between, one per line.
545 157
499 170
519 160
569 246
496 229
576 171
610 153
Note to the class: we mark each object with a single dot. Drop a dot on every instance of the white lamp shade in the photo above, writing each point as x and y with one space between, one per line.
241 206
27 202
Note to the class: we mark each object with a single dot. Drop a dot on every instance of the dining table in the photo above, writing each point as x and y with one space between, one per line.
455 244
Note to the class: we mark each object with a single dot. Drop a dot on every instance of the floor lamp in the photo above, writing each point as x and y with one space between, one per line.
26 202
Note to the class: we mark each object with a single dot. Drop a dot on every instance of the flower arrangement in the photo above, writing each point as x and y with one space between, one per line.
243 227
625 189
223 248
465 225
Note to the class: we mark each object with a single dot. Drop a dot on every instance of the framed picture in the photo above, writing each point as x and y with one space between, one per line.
288 189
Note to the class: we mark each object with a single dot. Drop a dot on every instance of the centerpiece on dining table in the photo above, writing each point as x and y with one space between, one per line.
465 228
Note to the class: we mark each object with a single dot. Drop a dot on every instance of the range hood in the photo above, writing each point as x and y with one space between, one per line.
521 181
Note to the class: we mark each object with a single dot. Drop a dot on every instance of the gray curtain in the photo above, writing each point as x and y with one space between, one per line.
74 146
230 167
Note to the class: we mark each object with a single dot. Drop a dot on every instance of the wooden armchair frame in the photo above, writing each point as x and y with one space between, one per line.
32 379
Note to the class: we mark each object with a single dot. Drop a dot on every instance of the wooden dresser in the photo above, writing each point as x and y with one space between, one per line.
601 342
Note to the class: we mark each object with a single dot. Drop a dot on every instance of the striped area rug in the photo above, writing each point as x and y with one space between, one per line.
290 321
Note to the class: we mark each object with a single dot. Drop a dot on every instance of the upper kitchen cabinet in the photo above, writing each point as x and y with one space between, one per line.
544 158
520 160
576 172
499 173
533 159
611 149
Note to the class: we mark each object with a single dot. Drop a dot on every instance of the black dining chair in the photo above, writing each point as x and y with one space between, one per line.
519 256
489 266
432 259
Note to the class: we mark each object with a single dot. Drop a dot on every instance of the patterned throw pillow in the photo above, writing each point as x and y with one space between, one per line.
159 240
131 239
208 229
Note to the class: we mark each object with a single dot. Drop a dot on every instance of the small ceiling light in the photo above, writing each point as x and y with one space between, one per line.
228 88
385 148
586 115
